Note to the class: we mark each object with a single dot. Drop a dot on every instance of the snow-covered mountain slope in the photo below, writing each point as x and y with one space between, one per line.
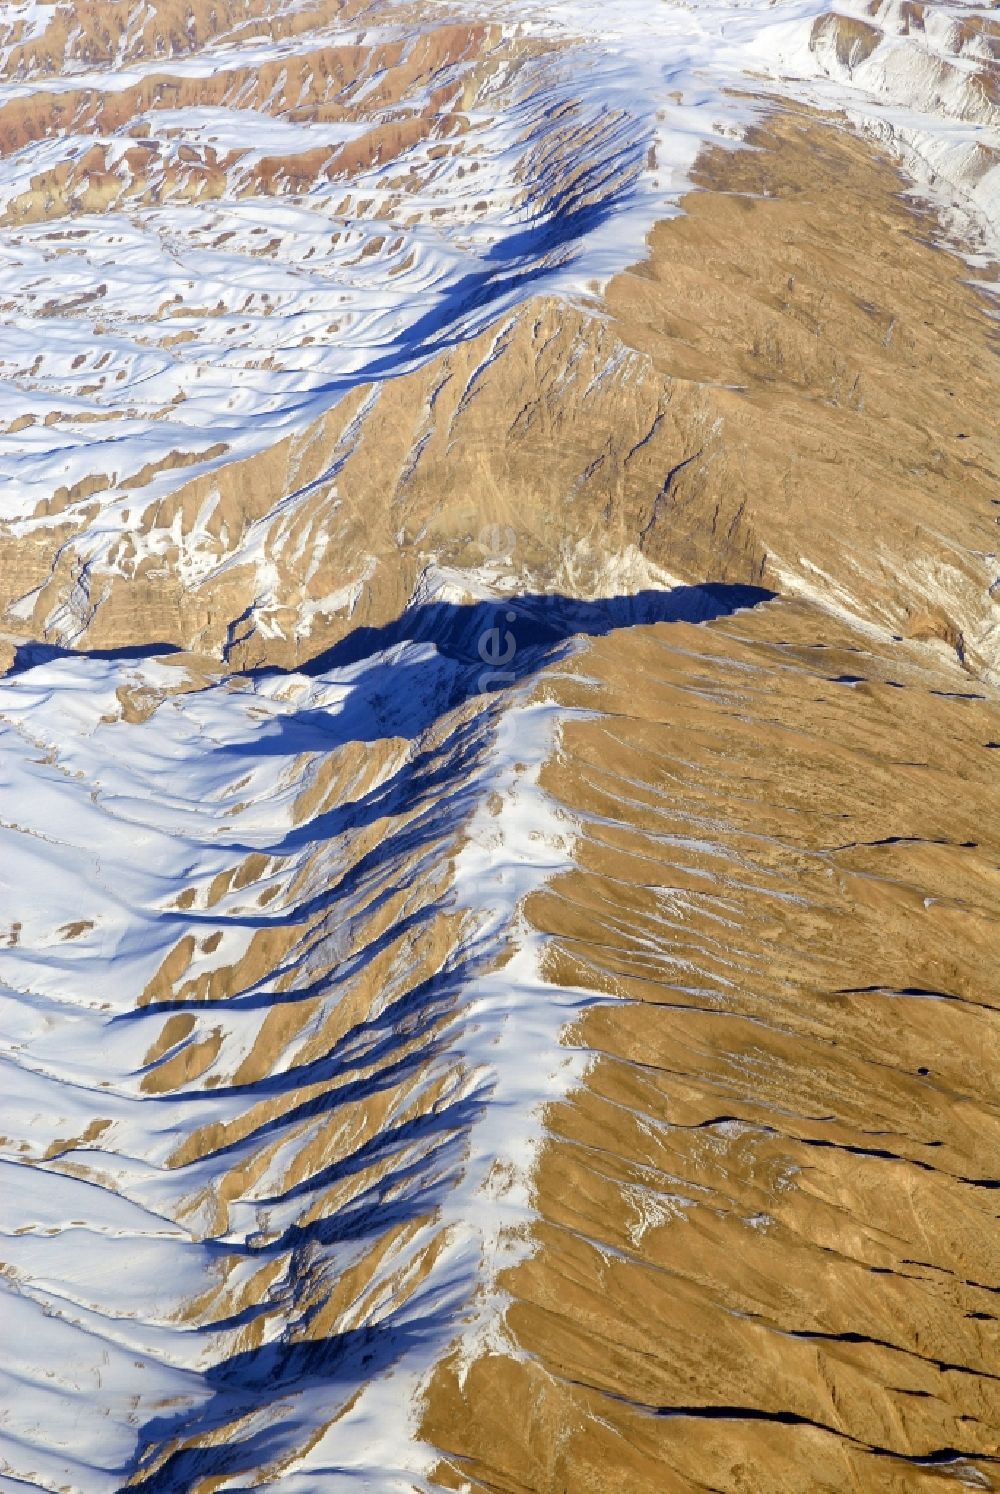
275 1036
218 225
499 651
312 983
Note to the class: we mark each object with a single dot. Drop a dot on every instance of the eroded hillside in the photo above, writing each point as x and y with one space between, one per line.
499 896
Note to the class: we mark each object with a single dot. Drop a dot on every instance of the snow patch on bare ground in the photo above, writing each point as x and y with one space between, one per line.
105 1243
169 335
275 1041
211 329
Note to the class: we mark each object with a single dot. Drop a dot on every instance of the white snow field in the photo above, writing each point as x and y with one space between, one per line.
108 1243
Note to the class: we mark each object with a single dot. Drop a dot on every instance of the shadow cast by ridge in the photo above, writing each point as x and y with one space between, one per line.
30 655
403 1171
256 1379
479 648
537 620
518 264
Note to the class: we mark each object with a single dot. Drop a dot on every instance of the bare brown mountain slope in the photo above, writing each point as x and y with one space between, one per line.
768 1250
797 387
760 1250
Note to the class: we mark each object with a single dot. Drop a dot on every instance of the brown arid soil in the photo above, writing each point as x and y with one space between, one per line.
766 1254
767 1251
798 387
749 1245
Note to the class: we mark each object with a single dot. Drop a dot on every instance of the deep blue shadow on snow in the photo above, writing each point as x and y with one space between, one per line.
390 693
518 264
31 655
265 1377
478 648
536 622
463 632
260 1400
